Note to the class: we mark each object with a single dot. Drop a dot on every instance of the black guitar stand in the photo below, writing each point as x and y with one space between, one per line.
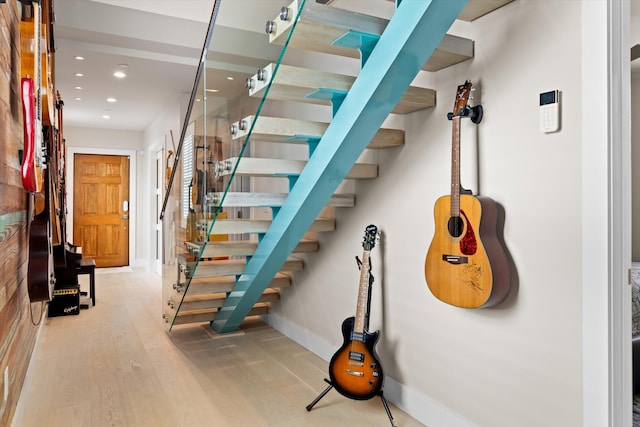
326 390
310 406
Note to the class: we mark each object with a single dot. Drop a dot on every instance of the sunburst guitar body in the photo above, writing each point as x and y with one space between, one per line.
354 370
466 265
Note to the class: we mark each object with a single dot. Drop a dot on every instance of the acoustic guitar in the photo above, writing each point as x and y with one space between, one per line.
41 270
354 369
466 266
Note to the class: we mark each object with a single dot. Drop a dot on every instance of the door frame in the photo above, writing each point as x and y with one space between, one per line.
71 152
606 215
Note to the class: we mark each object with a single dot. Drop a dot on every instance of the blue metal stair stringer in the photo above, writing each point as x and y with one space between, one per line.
410 38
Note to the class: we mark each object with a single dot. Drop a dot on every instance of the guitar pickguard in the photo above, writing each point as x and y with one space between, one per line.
468 244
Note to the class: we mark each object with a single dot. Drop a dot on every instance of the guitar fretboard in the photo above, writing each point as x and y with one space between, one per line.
455 167
363 294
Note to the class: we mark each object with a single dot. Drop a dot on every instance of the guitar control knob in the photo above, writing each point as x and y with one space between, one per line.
285 13
270 27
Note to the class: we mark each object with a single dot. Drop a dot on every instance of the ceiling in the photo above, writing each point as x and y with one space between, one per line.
158 43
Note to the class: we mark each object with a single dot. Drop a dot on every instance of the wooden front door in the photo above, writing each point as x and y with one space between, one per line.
101 208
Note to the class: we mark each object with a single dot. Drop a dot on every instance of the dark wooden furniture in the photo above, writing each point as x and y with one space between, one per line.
88 266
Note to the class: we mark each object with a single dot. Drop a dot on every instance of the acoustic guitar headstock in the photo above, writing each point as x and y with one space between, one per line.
461 106
462 98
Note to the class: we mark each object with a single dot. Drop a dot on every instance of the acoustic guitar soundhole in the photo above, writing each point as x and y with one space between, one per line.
455 226
468 243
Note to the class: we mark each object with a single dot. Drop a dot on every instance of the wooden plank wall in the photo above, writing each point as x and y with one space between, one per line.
17 331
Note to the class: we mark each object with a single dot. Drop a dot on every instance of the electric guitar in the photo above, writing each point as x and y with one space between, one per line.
466 265
31 179
354 369
31 61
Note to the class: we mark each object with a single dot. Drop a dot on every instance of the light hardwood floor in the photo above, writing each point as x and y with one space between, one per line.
115 365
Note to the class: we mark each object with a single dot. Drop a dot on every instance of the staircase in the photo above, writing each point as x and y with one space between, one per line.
237 266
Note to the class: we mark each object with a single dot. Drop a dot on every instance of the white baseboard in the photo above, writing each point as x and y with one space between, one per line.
413 402
144 263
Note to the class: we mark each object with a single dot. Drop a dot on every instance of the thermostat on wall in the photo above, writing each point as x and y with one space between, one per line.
550 111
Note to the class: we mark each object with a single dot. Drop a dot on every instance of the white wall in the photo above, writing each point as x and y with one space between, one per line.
157 137
519 364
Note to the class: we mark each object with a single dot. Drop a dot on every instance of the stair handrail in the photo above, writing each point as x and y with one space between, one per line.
192 99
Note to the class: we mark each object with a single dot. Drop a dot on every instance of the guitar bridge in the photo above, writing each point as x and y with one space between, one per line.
455 259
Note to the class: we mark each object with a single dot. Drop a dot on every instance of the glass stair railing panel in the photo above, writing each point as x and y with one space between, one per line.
206 244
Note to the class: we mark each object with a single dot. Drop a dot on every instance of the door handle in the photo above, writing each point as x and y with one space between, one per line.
125 216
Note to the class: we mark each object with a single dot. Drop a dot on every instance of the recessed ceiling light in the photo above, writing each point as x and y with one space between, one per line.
213 90
77 98
79 58
79 75
79 87
106 116
119 74
111 99
229 78
198 99
123 65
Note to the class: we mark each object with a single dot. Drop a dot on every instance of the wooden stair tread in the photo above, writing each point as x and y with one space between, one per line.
233 267
244 248
252 226
205 301
213 285
477 8
251 166
320 25
247 199
208 315
295 83
276 129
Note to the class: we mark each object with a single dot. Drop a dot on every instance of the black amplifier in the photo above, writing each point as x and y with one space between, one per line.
65 302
